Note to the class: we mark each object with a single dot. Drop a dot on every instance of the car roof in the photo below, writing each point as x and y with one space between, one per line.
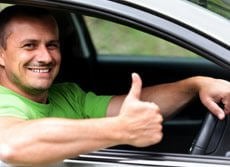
190 14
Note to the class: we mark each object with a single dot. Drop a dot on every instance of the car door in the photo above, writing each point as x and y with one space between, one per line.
121 50
108 48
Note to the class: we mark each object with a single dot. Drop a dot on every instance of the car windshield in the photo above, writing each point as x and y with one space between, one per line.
221 7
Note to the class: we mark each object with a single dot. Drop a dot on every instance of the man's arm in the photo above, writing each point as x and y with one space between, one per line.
52 139
171 97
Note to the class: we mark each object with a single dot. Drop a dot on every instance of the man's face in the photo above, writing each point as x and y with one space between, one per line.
31 59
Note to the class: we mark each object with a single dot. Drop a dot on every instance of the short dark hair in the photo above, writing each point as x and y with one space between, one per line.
7 14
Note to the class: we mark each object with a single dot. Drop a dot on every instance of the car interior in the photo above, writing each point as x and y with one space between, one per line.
110 74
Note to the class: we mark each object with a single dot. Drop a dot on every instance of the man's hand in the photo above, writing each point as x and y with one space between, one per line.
141 121
215 95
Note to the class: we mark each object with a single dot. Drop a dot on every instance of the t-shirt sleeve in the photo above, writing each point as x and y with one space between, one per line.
90 104
10 106
96 106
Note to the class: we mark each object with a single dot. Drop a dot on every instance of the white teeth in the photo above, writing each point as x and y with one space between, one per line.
40 70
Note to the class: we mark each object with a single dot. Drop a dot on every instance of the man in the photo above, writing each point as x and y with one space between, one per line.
41 123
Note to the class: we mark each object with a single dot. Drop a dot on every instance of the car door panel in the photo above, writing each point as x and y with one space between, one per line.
111 77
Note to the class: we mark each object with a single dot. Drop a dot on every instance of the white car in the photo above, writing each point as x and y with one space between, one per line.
103 41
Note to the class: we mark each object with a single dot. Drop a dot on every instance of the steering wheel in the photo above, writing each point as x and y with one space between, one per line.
213 137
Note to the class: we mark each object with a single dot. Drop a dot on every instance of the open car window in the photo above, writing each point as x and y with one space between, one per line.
111 38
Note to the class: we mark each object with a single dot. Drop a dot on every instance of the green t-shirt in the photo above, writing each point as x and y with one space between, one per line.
65 100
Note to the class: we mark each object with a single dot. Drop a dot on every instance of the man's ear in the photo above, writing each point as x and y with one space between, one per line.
2 55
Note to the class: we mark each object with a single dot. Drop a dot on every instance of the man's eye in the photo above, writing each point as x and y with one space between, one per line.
53 46
29 46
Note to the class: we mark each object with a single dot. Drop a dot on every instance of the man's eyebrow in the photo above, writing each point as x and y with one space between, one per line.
21 43
37 41
54 41
29 40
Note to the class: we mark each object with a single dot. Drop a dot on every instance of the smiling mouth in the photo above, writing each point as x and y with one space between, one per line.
40 70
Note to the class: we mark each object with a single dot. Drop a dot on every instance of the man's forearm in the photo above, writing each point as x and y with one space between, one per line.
171 97
50 140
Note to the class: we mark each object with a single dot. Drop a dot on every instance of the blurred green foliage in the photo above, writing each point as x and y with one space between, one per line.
111 38
221 7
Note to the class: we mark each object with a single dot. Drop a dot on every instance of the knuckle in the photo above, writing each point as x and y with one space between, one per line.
161 119
155 107
158 137
157 118
158 128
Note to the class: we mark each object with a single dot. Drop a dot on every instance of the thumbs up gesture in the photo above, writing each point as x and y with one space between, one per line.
141 121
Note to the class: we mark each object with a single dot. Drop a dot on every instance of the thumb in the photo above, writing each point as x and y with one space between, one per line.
135 90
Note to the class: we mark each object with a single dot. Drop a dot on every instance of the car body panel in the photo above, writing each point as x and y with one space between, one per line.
150 159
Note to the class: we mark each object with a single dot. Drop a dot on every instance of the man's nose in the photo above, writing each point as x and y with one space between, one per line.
44 55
